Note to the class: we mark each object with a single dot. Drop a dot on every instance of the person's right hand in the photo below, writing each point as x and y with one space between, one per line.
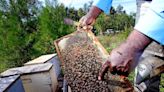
119 61
90 17
123 59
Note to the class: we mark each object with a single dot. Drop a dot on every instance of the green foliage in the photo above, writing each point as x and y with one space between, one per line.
51 27
162 83
131 77
118 20
113 40
13 33
28 30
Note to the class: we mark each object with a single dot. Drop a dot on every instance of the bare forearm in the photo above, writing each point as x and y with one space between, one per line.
94 12
137 41
129 52
133 47
90 17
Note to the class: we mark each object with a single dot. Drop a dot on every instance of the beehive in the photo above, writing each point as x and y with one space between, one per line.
48 58
36 78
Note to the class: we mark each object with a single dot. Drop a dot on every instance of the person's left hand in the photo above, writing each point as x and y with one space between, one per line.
87 20
90 18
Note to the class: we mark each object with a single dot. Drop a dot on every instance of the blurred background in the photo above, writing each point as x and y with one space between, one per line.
29 27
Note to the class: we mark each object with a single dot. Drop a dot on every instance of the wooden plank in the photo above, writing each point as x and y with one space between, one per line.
50 58
54 80
58 51
41 59
39 82
27 69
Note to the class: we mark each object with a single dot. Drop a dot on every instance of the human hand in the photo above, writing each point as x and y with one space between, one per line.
90 17
87 20
119 62
124 59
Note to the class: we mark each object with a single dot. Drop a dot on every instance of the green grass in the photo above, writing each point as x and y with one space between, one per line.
162 83
112 41
3 67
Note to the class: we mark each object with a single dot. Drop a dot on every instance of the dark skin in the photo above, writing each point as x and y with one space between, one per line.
90 17
123 58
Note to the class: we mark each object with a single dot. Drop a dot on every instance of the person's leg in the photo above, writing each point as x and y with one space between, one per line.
146 80
153 84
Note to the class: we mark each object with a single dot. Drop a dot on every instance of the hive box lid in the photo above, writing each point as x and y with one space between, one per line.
41 59
28 69
6 82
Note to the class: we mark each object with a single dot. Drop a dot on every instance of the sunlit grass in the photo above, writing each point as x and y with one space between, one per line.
113 40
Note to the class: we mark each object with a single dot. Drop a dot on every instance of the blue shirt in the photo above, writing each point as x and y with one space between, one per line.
104 5
151 24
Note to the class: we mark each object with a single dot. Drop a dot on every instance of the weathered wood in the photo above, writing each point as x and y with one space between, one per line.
40 60
155 49
27 69
36 78
49 58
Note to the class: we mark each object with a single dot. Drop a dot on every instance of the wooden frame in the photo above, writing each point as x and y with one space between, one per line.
89 33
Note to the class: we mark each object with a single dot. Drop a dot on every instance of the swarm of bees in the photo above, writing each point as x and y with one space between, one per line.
81 68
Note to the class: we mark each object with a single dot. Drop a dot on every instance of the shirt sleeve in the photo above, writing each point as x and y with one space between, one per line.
152 25
104 5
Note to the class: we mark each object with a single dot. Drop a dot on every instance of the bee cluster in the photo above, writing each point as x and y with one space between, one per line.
81 68
82 63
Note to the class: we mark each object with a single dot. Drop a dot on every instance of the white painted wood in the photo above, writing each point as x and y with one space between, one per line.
41 59
36 78
27 69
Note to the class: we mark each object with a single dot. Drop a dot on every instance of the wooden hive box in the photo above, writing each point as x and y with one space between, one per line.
11 84
49 58
36 78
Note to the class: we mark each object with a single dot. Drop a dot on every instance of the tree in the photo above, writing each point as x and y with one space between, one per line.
117 21
81 13
119 9
87 6
51 26
112 11
27 30
18 23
